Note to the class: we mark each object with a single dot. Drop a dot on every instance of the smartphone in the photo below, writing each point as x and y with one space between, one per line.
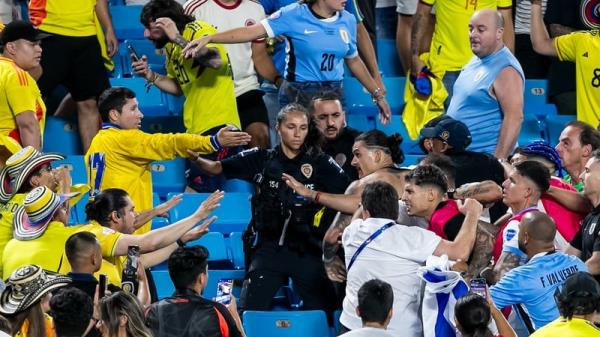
479 287
224 289
132 53
101 285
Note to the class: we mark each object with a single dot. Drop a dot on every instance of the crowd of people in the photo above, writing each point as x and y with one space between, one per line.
483 237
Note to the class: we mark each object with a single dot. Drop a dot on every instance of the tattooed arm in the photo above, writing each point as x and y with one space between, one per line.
506 262
482 251
485 192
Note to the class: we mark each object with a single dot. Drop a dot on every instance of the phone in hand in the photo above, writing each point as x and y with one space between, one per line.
479 287
132 53
224 289
101 285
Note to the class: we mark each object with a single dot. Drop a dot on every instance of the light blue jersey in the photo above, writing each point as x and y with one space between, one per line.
272 6
472 103
533 285
316 48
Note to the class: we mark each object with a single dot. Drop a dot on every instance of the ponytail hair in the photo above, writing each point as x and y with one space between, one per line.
314 141
391 144
473 314
101 207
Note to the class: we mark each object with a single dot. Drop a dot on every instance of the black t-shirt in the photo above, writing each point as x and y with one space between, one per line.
186 314
475 167
340 150
587 240
561 75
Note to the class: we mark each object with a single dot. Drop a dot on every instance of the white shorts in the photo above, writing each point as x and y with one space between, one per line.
406 7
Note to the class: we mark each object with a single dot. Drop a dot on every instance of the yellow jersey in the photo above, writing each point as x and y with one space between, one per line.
7 212
209 94
450 47
575 327
48 325
18 93
120 158
583 48
64 17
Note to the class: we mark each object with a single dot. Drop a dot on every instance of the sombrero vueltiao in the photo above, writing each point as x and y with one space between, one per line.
18 168
32 218
26 286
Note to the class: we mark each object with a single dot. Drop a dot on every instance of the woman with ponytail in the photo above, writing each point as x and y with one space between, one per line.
473 315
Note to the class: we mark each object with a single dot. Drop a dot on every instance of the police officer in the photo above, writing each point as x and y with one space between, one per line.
289 228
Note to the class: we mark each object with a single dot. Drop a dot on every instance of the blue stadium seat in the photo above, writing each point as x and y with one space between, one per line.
412 159
168 176
540 111
236 249
396 125
388 59
215 243
555 126
61 135
238 185
233 215
536 92
163 124
126 22
356 97
162 280
175 104
361 122
152 102
286 324
76 166
532 129
156 60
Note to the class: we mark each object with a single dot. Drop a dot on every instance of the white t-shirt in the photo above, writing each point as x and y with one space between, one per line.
394 257
368 332
224 17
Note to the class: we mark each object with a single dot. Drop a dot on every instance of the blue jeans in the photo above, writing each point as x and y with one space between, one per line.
448 80
271 100
303 92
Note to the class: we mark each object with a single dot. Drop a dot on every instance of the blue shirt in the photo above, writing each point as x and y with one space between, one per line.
272 6
534 285
316 48
472 103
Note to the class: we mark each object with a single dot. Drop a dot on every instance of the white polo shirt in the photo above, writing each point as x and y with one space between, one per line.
394 257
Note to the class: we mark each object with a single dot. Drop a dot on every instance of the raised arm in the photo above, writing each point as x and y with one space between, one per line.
462 245
237 35
570 199
346 203
541 41
485 191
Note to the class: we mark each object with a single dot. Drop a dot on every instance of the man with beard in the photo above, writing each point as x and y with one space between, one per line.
534 284
330 118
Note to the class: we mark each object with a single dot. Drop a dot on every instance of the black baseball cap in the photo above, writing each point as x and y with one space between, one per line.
454 133
581 284
19 29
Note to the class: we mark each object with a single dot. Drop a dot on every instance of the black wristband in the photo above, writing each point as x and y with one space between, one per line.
180 243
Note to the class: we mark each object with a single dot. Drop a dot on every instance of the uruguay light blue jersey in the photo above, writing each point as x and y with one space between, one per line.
316 48
472 103
533 285
271 6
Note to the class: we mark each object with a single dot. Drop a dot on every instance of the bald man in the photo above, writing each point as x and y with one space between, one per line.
489 89
533 284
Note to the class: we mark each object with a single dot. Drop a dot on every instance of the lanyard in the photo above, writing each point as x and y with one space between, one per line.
367 241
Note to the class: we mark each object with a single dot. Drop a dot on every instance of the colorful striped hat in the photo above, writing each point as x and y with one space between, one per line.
19 167
32 219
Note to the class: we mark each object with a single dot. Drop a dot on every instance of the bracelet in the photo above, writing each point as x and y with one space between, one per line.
377 95
317 196
180 243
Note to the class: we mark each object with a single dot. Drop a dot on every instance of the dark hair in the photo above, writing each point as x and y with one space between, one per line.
5 325
26 186
381 200
323 96
113 98
185 264
375 300
428 175
34 315
536 172
380 139
588 134
123 303
313 143
473 314
77 243
165 8
104 203
443 162
71 310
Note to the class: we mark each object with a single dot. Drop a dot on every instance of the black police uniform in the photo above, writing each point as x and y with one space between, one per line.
289 227
587 239
340 149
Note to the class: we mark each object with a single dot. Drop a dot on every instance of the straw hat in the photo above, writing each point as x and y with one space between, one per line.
19 167
26 286
32 219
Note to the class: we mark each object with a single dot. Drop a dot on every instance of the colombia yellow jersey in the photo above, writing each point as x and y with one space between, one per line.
583 48
7 212
120 158
209 94
575 327
450 47
18 93
64 17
